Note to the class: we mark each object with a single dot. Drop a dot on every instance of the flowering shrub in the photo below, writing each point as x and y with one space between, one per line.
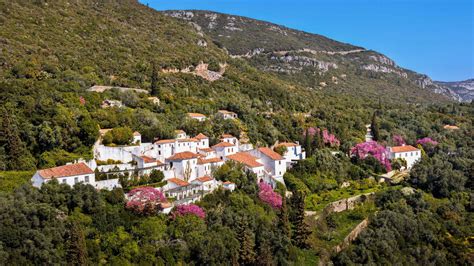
362 150
144 200
398 140
427 141
330 139
193 209
267 195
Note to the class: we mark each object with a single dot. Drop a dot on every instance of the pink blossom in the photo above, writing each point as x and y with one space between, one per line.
267 195
362 150
330 139
427 141
398 140
192 209
144 197
311 131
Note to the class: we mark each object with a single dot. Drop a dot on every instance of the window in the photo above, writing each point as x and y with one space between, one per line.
279 162
76 180
64 181
86 179
159 152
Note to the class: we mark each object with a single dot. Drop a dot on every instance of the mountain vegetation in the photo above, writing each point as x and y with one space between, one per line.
54 51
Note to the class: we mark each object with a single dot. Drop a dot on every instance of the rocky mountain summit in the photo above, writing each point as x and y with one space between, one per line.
464 90
306 58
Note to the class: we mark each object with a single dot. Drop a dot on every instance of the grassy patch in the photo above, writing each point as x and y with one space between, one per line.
10 180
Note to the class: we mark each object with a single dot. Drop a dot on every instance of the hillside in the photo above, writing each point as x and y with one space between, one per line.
309 59
463 89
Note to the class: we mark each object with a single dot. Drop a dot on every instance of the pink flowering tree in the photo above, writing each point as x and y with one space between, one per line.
330 139
191 209
267 195
398 140
427 142
145 200
364 149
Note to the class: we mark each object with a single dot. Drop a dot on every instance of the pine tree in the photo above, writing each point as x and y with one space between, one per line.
375 127
283 220
301 231
155 91
247 243
76 245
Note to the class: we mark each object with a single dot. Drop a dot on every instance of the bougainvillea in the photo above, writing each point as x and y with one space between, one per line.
427 141
362 150
398 140
330 139
267 195
192 209
144 200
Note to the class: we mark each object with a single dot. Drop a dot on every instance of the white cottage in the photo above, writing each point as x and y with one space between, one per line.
294 152
199 117
184 164
70 174
227 114
407 152
224 149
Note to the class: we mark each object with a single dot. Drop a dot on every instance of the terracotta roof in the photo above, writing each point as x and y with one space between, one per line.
66 170
206 149
210 160
245 158
196 115
287 144
225 112
136 133
226 136
204 179
405 148
227 183
270 153
164 141
147 159
223 144
201 136
178 182
183 156
158 162
188 140
450 127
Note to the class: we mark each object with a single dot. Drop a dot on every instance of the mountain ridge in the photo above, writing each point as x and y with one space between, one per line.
290 51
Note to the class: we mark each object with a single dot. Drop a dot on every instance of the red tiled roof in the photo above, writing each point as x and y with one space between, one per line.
196 115
66 170
136 133
188 140
204 179
158 162
178 181
245 158
201 136
405 148
165 141
287 144
227 183
223 144
210 160
226 136
270 153
147 159
206 149
450 127
183 156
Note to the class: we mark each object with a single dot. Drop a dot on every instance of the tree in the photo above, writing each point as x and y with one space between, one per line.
155 91
300 232
247 243
374 126
76 245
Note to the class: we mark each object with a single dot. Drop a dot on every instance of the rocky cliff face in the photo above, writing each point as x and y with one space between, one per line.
463 90
309 59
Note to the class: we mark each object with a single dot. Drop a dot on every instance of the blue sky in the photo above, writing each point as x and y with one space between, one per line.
434 37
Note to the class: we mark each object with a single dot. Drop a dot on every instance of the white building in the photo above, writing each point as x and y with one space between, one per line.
70 174
203 141
294 152
227 185
197 116
407 152
226 114
180 134
205 166
206 184
229 138
184 164
275 164
224 149
250 163
147 164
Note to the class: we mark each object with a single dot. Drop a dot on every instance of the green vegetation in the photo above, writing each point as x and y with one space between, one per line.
118 136
10 180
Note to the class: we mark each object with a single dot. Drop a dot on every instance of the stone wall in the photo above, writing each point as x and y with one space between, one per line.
352 235
347 204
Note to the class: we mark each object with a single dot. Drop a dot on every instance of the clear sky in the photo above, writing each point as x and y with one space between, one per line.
435 37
